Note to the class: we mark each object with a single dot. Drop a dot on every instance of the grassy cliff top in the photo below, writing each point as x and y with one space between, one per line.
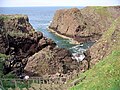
14 16
103 76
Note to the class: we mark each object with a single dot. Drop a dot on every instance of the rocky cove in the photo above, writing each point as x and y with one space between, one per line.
85 25
30 52
21 40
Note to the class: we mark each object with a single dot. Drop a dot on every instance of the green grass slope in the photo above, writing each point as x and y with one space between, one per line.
105 75
2 58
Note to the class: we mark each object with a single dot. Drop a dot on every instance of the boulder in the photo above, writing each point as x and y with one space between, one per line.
51 62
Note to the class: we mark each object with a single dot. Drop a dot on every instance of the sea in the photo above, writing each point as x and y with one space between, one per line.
40 18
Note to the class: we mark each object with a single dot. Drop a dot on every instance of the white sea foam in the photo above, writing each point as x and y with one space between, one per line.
78 57
78 49
77 46
78 52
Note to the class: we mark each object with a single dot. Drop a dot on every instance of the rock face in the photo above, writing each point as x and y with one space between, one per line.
109 42
50 62
87 24
22 41
26 46
99 24
15 22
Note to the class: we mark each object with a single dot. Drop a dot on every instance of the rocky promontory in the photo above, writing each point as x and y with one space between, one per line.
29 49
83 25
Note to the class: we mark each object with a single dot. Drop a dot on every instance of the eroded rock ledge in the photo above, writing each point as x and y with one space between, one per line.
30 49
83 25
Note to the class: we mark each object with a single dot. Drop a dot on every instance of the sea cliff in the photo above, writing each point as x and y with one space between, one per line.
99 25
83 25
29 52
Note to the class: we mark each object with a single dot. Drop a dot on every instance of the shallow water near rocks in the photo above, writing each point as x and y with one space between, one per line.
40 18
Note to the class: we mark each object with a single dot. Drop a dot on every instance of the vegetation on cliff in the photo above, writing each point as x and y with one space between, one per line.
105 74
2 58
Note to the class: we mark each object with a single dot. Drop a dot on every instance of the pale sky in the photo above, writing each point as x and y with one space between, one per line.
25 3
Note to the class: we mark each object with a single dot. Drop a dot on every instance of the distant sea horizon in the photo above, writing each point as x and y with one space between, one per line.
45 6
36 9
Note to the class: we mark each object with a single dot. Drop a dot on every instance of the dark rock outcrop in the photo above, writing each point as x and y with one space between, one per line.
87 24
24 45
15 23
3 43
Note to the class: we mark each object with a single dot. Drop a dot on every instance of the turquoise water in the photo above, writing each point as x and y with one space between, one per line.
40 18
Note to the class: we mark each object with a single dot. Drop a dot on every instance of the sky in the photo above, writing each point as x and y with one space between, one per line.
27 3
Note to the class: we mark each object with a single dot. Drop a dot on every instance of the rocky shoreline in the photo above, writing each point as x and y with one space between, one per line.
72 41
87 24
30 52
